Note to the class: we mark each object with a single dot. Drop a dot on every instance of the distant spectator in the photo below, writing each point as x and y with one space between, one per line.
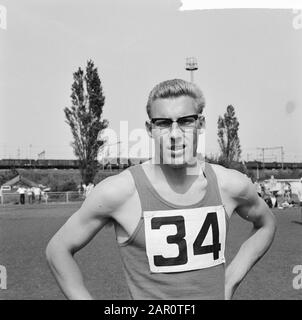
0 196
273 184
287 192
274 199
21 191
263 190
29 195
81 188
89 188
33 194
44 195
38 193
285 205
299 193
270 198
258 188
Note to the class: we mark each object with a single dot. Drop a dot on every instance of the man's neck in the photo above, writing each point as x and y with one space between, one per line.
182 177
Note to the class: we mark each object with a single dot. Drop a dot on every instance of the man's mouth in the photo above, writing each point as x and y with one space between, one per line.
178 147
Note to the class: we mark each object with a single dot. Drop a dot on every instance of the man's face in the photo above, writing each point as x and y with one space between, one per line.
175 146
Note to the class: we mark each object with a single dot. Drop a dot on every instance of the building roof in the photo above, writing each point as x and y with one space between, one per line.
20 180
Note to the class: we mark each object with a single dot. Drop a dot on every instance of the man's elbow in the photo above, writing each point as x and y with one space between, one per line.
266 221
50 251
270 224
54 251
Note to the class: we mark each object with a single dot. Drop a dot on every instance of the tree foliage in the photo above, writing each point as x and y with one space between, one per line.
84 118
228 138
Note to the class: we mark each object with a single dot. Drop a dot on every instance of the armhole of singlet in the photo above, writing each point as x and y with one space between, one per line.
217 190
140 222
133 235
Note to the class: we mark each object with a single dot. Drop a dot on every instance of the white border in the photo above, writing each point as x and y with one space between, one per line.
239 4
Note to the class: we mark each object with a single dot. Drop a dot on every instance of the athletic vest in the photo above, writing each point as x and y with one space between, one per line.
176 252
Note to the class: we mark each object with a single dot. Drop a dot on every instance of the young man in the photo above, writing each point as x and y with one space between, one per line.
171 214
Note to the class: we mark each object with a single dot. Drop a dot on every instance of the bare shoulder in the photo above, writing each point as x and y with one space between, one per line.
234 183
242 196
110 194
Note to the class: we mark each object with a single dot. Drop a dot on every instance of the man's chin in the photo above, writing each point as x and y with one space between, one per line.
178 165
175 162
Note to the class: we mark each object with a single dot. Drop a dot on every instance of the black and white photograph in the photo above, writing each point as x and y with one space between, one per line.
150 150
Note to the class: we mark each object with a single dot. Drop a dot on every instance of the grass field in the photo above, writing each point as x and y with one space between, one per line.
25 231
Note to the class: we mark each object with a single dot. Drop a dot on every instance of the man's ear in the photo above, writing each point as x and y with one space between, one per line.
148 128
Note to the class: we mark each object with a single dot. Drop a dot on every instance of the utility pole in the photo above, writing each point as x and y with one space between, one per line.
282 157
30 153
262 156
191 65
272 148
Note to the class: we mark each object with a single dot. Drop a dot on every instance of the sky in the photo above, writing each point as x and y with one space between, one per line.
250 58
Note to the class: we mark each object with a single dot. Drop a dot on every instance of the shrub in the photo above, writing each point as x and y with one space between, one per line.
68 186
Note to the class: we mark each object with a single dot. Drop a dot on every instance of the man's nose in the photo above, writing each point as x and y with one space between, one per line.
175 130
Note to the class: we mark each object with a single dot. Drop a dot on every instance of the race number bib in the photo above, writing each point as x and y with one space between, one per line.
185 239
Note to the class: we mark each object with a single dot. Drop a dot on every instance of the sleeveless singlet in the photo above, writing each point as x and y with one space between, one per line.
176 252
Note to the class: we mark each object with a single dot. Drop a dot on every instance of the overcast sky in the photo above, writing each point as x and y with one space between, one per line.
248 58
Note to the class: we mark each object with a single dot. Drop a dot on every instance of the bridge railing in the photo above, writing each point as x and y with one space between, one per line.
46 198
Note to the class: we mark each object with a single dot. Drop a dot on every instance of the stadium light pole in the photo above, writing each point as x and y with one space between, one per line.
191 65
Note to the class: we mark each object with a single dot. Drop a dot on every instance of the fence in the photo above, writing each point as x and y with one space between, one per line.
46 198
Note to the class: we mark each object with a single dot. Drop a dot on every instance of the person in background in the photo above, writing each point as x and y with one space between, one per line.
21 190
287 192
29 195
258 188
274 199
89 188
81 188
33 194
37 193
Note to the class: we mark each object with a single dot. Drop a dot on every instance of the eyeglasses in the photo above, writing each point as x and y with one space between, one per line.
184 123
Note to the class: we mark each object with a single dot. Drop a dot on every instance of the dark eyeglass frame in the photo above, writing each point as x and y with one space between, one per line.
195 116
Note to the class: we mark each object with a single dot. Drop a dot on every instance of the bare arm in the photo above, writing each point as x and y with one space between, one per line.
80 228
251 208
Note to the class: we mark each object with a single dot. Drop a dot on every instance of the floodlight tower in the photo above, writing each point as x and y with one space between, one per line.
191 65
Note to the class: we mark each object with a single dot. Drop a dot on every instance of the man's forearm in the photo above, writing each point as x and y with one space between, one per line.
67 274
249 253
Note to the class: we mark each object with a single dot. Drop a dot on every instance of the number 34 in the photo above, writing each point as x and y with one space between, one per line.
178 238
